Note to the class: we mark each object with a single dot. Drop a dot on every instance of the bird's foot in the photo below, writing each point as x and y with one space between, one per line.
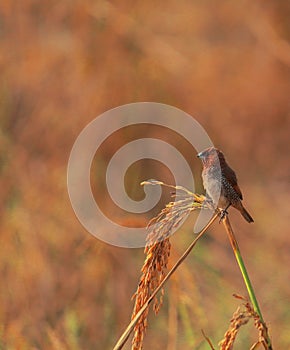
223 214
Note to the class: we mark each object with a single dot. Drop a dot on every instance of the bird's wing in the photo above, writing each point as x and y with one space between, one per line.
232 179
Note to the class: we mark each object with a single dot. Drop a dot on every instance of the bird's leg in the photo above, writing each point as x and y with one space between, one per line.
224 212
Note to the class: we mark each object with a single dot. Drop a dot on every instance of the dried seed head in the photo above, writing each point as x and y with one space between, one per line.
157 253
241 318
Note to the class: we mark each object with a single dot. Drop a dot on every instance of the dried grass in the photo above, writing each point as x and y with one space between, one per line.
157 253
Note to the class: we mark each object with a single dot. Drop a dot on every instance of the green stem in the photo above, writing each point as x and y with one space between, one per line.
245 275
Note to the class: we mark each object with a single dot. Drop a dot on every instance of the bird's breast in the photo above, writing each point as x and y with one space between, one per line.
212 185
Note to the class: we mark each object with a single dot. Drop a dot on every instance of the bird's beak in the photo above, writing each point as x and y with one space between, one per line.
199 155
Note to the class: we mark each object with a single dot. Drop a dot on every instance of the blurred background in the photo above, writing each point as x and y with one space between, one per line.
63 64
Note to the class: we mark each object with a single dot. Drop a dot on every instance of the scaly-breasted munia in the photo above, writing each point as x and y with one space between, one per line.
220 182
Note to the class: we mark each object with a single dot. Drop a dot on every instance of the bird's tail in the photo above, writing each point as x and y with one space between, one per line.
246 215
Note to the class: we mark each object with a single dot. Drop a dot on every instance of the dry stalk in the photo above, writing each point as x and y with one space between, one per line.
208 340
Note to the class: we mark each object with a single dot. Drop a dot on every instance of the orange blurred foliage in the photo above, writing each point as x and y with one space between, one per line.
64 63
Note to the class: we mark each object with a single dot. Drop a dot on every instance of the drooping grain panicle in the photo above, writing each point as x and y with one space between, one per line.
241 317
157 252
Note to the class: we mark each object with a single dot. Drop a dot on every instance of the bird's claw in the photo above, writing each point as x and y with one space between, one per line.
223 214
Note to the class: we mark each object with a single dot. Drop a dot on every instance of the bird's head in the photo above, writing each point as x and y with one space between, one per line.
210 155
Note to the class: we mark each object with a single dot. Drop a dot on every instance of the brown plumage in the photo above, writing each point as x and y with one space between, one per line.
220 182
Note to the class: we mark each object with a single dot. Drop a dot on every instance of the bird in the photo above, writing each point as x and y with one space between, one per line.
220 183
